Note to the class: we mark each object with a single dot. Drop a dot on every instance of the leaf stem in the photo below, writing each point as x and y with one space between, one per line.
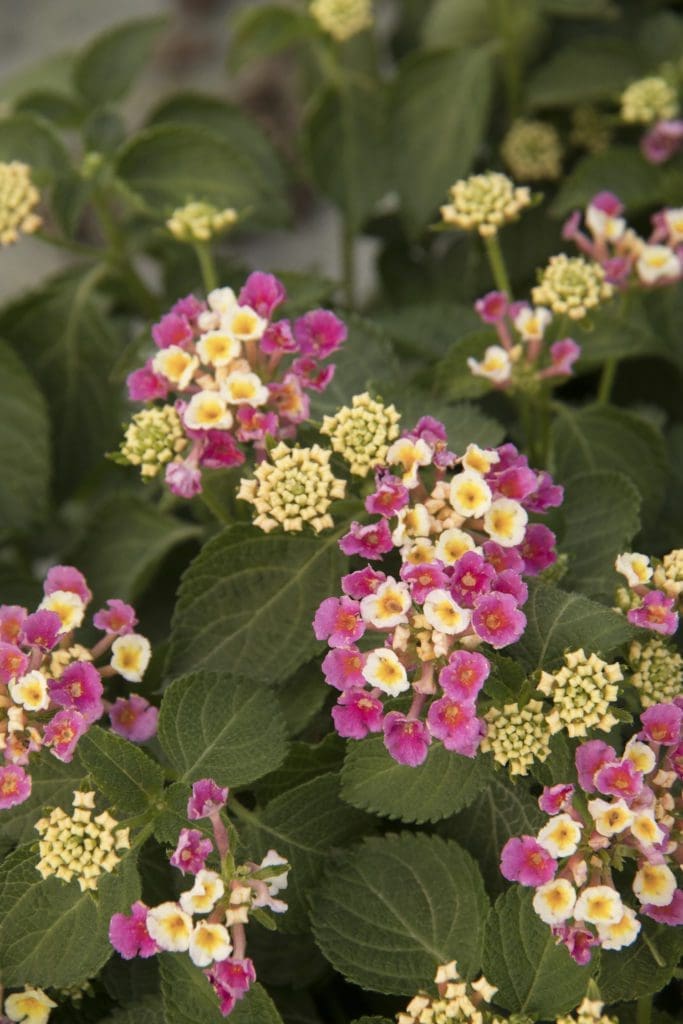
644 1010
206 265
494 255
349 263
607 377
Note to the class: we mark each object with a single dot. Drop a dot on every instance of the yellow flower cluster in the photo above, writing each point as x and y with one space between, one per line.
18 199
153 437
200 222
582 691
668 576
647 100
657 671
589 1012
296 487
571 285
591 129
458 1000
485 202
80 846
342 19
517 736
532 150
361 433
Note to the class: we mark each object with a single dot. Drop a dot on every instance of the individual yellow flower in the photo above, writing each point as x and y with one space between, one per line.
517 736
81 846
505 522
554 901
245 388
208 888
342 19
610 818
130 656
635 567
443 614
571 285
170 927
388 605
655 884
383 670
176 365
69 606
599 904
218 348
18 200
209 943
207 410
657 671
200 222
496 365
361 433
452 545
647 100
30 691
485 202
411 455
532 150
31 1006
470 495
153 438
620 934
560 836
582 691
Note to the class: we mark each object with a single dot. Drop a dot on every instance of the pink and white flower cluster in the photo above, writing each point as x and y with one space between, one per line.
50 690
649 607
521 359
620 828
628 259
457 535
238 375
208 920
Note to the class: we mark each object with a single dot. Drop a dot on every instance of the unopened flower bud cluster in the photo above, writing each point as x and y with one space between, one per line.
485 203
362 433
657 671
582 692
647 100
458 1000
342 19
200 222
18 200
518 736
532 150
572 286
153 438
81 845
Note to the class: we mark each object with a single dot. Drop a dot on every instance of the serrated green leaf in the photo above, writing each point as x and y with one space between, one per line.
129 779
621 169
601 517
39 917
534 974
427 329
584 71
395 907
365 359
465 423
453 377
304 824
634 972
304 762
445 783
52 785
148 1009
302 696
557 621
24 446
247 601
105 70
265 31
220 727
31 139
285 960
188 997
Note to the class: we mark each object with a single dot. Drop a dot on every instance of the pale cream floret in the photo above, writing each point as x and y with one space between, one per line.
505 522
635 567
495 366
410 455
442 613
170 927
67 605
452 545
244 323
673 219
383 670
599 904
176 365
641 756
470 495
207 410
602 225
655 884
610 818
479 459
622 933
31 1006
561 836
657 263
218 348
30 691
242 388
130 656
554 902
412 522
209 943
222 301
387 607
532 322
646 830
202 897
420 551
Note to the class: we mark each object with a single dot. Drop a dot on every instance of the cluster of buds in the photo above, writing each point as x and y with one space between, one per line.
200 222
521 362
647 606
590 1011
221 901
485 203
517 735
223 361
591 129
657 671
572 286
653 103
634 816
32 1006
18 200
80 845
342 19
624 256
582 692
50 689
532 150
458 1000
458 526
362 433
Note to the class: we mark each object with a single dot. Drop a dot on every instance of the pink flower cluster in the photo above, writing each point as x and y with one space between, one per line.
238 375
662 141
625 810
459 529
654 609
50 690
626 258
219 900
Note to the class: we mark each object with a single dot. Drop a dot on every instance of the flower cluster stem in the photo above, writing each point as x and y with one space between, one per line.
494 254
206 266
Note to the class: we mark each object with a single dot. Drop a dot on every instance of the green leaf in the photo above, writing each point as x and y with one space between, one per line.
56 107
439 111
453 377
534 974
304 762
105 70
621 169
31 139
264 31
445 783
426 330
302 696
366 359
304 825
457 23
585 71
465 423
24 446
394 908
52 785
557 620
634 972
147 1009
221 727
129 779
121 562
247 601
602 437
188 997
626 329
601 518
51 933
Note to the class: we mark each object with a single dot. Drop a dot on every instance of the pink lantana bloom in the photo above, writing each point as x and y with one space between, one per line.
11 619
619 778
183 480
13 662
362 583
662 141
128 933
144 385
517 482
221 451
189 307
579 941
455 723
63 732
311 374
589 758
538 548
117 619
406 739
655 613
343 667
357 713
671 914
662 724
41 629
191 852
207 798
423 578
503 559
263 293
433 433
319 333
231 979
525 861
464 675
79 688
278 337
510 582
338 621
547 495
492 307
134 718
15 786
498 620
370 541
471 578
172 329
563 355
389 497
66 577
556 799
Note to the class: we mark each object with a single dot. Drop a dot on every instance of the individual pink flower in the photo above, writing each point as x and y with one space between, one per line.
144 385
406 739
41 629
191 852
433 433
389 497
11 620
357 713
362 583
556 799
455 723
498 620
207 798
319 333
662 724
128 933
492 307
183 479
579 941
338 621
343 667
471 579
502 559
547 495
63 732
607 202
517 482
79 688
263 293
172 329
231 979
221 450
671 914
311 374
66 577
117 619
538 548
134 718
510 582
190 307
589 758
290 400
525 861
662 141
655 613
563 355
424 577
13 662
253 425
620 779
278 337
371 541
464 675
15 786
676 760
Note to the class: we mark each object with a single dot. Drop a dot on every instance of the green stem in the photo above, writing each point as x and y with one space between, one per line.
644 1010
349 264
206 265
494 254
609 372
